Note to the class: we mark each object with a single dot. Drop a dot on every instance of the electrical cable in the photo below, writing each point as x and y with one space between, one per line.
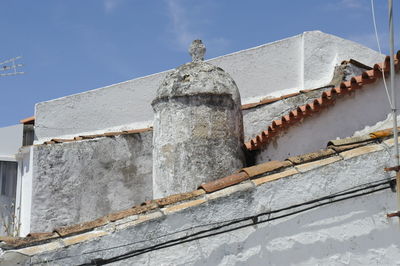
223 224
185 239
380 51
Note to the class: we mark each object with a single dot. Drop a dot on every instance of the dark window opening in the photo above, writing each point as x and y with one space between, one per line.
8 178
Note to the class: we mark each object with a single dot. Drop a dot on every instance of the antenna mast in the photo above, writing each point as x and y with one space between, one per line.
10 67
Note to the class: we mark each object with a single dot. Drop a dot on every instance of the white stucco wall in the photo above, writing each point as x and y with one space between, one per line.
365 107
24 190
354 231
321 52
305 60
10 141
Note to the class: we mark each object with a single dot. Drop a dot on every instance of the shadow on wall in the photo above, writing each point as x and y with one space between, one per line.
327 234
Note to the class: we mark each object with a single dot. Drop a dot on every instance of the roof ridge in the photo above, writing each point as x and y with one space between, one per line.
94 136
327 98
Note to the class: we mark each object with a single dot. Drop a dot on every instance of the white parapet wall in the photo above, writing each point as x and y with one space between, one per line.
10 142
300 62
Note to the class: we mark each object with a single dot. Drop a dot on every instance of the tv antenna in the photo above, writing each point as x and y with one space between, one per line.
10 67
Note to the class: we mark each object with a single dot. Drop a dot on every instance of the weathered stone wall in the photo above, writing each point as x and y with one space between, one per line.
7 215
195 142
198 128
352 231
8 183
83 180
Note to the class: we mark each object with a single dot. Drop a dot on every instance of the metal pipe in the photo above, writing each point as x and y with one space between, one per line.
392 85
394 105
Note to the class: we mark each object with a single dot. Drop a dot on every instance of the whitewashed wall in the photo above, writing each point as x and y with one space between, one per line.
303 61
354 231
10 141
24 191
321 52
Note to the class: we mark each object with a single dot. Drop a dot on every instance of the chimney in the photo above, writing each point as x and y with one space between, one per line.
198 127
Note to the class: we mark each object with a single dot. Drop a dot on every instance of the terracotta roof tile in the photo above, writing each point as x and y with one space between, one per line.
304 158
28 240
273 170
249 105
144 207
82 227
179 197
382 133
259 169
225 182
349 146
347 141
29 120
327 99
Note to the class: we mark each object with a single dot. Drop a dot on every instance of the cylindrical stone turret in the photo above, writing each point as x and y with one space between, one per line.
198 127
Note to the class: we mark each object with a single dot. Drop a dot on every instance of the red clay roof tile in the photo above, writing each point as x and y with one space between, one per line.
225 182
327 99
259 169
29 120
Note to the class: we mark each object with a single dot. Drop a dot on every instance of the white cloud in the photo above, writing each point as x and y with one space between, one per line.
184 21
180 23
356 5
352 4
111 5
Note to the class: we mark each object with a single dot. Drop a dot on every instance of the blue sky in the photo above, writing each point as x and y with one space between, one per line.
70 46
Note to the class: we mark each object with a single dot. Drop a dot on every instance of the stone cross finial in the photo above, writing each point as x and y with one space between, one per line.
197 50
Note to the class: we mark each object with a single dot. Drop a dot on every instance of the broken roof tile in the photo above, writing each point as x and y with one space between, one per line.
304 158
144 207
